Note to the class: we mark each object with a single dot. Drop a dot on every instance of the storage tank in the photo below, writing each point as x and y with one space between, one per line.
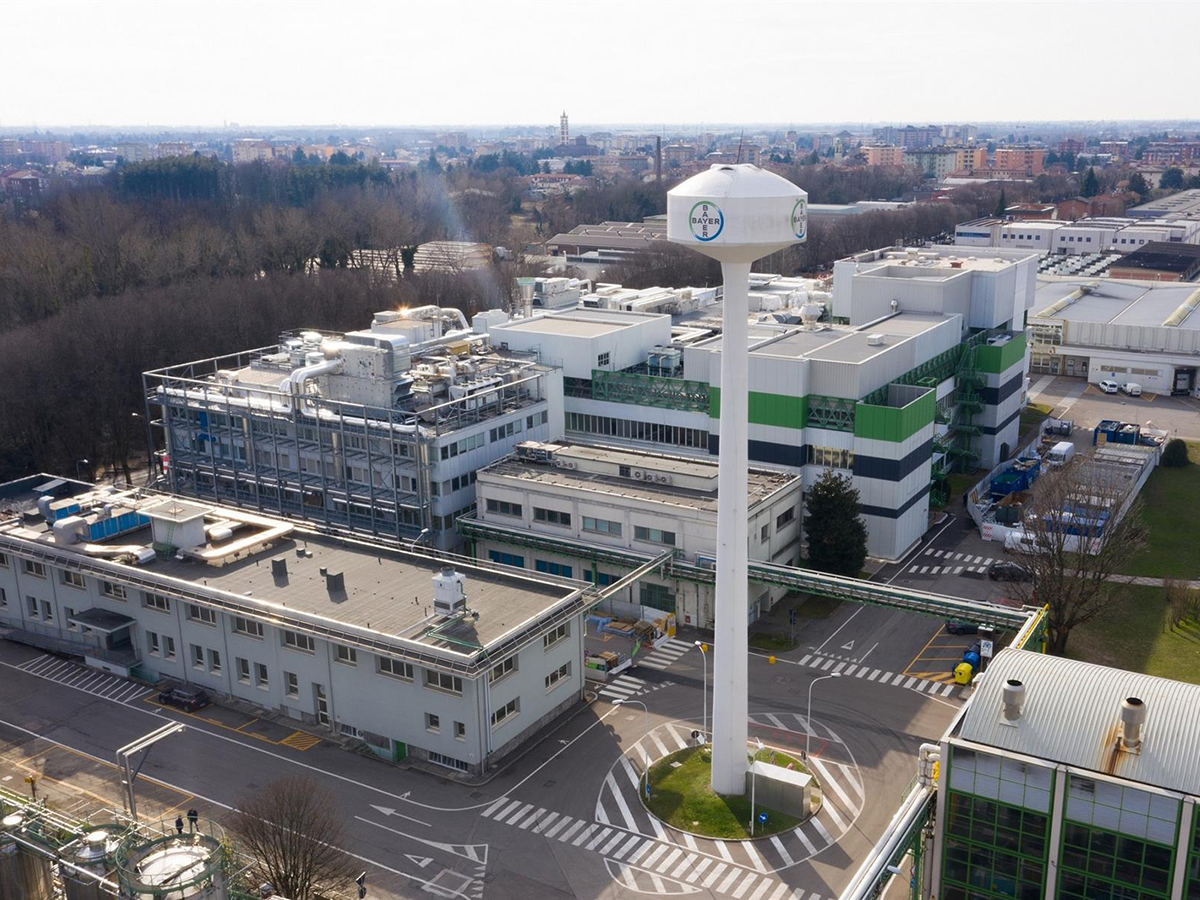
24 873
92 857
188 866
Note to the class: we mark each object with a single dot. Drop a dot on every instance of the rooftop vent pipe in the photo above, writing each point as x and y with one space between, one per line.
1014 699
336 582
279 567
1133 717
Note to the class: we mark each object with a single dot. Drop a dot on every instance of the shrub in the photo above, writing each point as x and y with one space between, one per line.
1175 454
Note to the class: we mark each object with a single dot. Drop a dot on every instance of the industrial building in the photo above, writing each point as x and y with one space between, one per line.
1066 779
1119 330
1159 261
455 666
378 431
1181 205
927 371
1084 236
595 512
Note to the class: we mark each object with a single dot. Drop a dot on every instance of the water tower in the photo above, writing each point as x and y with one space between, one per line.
735 214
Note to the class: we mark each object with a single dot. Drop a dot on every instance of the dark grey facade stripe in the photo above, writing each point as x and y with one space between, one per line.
885 513
996 429
994 396
892 469
767 452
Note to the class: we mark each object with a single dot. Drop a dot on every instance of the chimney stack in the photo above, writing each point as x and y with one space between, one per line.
658 159
1014 699
1133 717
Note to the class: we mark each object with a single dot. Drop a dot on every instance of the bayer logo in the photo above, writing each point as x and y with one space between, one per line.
706 220
800 219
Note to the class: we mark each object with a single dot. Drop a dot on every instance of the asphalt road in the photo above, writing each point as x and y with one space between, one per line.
564 821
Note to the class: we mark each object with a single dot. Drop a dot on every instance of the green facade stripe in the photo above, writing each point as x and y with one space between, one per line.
766 409
891 423
995 360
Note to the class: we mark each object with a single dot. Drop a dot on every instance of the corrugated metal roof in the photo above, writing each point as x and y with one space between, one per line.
1071 716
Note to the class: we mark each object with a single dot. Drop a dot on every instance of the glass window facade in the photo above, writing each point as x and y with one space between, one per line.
1193 879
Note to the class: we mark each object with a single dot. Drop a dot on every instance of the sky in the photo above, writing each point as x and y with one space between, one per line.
520 62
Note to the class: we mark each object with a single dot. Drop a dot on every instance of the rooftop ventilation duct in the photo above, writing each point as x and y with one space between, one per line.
874 340
449 592
1014 699
279 567
335 582
1133 717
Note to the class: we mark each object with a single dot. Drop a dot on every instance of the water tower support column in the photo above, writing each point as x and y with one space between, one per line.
730 687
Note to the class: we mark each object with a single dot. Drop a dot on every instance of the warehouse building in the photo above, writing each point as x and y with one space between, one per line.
913 364
596 512
1090 235
1122 331
378 431
1071 780
456 667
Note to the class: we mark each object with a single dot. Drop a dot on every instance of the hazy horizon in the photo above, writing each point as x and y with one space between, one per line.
364 63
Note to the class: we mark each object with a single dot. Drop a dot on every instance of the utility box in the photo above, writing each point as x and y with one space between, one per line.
788 791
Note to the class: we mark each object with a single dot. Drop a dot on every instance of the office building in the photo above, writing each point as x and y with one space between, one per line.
1083 236
379 431
1069 780
595 512
452 666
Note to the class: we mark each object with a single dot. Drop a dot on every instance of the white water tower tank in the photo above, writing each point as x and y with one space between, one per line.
737 213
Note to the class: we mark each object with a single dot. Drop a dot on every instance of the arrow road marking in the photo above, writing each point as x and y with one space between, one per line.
388 811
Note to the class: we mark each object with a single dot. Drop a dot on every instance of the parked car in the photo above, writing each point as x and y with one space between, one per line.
1004 570
961 628
185 697
1132 388
1109 387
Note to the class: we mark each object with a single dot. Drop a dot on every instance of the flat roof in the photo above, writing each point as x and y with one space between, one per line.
1117 302
566 325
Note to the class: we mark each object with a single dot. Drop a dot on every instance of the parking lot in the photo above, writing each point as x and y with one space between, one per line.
1086 405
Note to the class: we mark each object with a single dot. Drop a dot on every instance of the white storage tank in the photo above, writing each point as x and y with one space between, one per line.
24 873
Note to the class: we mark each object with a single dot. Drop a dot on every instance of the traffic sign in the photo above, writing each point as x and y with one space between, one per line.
985 649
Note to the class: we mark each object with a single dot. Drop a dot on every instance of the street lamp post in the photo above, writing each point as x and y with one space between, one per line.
704 709
645 738
79 464
808 715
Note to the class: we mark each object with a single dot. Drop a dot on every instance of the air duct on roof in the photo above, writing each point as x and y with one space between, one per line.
1133 717
1014 699
1185 309
1077 294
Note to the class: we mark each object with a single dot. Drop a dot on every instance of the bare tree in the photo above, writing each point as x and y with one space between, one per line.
1076 540
291 830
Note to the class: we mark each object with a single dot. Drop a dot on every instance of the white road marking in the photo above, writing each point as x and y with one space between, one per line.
704 863
598 838
658 851
831 781
688 862
715 873
781 850
724 851
754 857
762 888
830 809
633 839
690 842
669 859
617 838
740 892
630 822
558 827
523 810
805 659
545 822
808 845
729 880
662 748
899 678
531 819
640 852
850 668
910 682
828 664
816 823
873 675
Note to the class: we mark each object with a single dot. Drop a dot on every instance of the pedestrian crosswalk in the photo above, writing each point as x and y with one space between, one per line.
622 687
82 678
950 563
666 653
831 666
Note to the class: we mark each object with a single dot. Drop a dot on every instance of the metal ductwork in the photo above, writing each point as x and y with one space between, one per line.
1014 699
1133 717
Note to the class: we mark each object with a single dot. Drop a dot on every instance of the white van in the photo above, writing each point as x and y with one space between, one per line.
1060 454
1132 388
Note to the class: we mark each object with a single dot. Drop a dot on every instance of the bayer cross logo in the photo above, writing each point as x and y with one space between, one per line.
706 220
799 219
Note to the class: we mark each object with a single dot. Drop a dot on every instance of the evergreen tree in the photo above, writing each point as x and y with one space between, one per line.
1138 185
837 535
1091 184
1001 204
1172 179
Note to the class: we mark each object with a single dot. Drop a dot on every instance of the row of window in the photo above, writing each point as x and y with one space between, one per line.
552 517
654 535
830 457
633 430
504 508
602 579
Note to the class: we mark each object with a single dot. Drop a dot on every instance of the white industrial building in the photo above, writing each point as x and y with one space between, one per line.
927 372
595 512
1122 331
378 431
1092 235
453 666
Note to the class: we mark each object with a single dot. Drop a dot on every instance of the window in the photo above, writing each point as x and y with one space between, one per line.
201 614
562 673
830 457
243 667
36 569
347 655
549 568
505 712
156 602
349 730
553 637
291 684
395 668
552 517
153 644
3 599
3 560
654 535
110 589
47 611
214 662
73 579
602 526
540 418
260 675
443 681
502 670
504 508
501 432
32 605
460 731
448 761
197 656
168 647
433 723
297 641
248 627
784 517
656 595
764 533
603 360
507 559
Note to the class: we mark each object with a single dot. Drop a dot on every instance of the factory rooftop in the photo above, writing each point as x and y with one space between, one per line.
621 472
1114 302
267 569
936 263
1184 205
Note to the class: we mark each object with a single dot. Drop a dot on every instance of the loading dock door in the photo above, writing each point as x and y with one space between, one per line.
1185 380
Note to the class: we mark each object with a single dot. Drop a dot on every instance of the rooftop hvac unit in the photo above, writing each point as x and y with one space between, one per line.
874 340
663 479
449 592
704 561
639 475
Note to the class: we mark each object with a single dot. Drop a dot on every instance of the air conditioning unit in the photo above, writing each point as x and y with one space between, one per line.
704 561
639 475
663 479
